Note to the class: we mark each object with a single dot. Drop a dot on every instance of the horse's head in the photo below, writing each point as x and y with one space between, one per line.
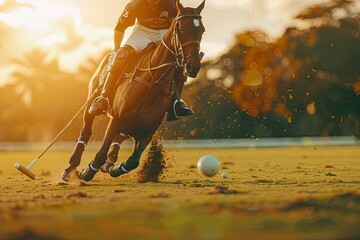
187 36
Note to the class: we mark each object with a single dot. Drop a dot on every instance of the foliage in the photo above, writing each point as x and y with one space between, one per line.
305 83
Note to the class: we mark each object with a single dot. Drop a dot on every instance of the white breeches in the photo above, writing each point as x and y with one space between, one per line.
141 36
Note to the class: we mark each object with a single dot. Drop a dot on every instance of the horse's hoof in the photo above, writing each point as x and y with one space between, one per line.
70 176
105 168
65 176
117 170
87 174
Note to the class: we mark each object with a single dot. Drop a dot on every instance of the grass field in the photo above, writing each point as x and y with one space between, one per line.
271 193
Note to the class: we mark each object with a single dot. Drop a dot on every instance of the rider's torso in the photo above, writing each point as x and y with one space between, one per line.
159 18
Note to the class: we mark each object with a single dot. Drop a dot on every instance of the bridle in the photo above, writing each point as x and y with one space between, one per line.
178 52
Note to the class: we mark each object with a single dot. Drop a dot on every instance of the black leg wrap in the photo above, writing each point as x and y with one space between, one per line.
87 174
117 170
106 167
75 158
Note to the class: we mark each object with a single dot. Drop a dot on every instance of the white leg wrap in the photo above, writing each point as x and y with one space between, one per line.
81 142
115 143
94 169
122 168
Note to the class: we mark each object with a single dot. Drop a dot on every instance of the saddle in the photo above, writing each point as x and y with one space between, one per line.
130 69
137 58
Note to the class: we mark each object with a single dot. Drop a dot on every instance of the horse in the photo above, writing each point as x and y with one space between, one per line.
142 97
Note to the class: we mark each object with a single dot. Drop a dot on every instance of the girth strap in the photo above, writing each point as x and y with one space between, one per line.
142 81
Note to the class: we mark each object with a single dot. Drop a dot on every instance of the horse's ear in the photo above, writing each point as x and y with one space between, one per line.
200 7
179 6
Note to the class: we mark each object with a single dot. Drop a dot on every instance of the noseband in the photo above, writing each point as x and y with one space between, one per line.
178 45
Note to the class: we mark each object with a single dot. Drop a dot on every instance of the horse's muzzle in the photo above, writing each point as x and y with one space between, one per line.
191 70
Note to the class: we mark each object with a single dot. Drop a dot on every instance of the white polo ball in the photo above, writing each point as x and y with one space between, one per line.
208 165
224 174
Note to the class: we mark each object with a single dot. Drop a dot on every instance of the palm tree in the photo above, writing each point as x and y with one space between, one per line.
89 66
35 71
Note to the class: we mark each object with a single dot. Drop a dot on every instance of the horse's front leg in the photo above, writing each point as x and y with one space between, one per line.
89 172
133 161
83 139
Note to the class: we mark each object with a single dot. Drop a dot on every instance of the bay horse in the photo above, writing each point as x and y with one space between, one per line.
142 98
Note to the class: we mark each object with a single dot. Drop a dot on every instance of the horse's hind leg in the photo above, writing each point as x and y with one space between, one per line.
113 153
89 172
83 139
133 161
115 147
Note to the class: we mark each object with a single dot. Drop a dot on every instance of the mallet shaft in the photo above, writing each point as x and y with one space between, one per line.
33 163
63 130
27 170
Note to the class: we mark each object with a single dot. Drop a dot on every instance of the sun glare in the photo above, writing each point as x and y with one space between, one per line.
55 38
40 16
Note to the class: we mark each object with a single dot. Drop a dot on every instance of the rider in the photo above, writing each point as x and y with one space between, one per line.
152 18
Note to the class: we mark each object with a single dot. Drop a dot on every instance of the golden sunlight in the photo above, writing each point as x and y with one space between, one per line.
40 16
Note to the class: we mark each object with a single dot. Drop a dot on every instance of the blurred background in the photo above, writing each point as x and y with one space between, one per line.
273 68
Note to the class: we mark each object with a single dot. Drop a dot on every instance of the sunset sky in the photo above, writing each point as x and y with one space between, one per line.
73 30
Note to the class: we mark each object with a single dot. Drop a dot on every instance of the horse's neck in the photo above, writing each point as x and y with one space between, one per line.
162 55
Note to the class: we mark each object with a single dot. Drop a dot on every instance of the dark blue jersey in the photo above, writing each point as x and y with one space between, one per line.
157 19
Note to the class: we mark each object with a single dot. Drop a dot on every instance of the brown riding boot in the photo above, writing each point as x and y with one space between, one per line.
178 107
116 69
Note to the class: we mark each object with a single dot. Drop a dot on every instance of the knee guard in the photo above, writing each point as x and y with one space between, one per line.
121 58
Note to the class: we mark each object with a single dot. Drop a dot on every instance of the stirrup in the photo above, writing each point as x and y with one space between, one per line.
181 109
175 114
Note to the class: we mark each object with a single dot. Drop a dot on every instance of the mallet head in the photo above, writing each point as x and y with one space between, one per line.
25 171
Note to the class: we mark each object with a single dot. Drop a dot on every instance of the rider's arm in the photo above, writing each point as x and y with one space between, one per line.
126 20
118 37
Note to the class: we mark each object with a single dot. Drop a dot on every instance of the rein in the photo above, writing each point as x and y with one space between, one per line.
178 52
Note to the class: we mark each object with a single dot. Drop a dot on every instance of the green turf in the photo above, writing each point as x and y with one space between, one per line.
279 193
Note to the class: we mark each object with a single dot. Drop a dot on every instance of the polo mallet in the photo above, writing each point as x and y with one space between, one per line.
27 170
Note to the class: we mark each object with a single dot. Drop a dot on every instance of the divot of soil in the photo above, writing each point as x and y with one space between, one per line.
78 195
160 195
219 189
119 190
178 182
228 163
155 163
330 174
45 173
329 166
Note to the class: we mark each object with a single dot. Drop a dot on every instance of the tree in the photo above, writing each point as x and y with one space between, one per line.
35 73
